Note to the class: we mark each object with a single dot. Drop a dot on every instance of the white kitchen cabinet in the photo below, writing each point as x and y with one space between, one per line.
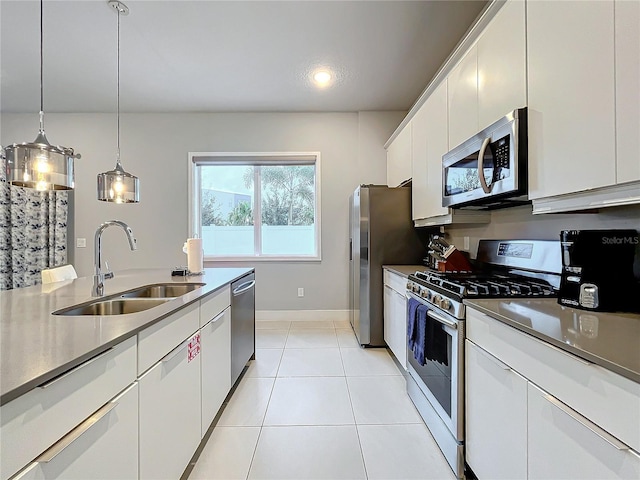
627 44
496 417
419 178
571 96
395 315
437 145
30 424
462 99
170 419
215 365
564 444
104 446
501 56
399 158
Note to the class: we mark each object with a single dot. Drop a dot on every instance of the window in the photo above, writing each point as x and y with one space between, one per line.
256 205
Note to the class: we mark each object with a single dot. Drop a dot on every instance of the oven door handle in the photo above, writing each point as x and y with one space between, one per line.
442 320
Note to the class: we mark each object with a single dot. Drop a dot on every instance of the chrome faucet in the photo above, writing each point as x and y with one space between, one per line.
99 277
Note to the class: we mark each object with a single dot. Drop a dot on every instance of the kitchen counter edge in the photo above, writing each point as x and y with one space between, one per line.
489 308
139 321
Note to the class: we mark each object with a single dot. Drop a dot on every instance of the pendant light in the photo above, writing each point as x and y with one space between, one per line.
39 164
117 185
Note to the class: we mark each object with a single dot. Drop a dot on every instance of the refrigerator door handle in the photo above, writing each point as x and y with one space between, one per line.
350 249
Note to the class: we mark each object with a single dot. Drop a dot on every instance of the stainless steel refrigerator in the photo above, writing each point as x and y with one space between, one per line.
382 233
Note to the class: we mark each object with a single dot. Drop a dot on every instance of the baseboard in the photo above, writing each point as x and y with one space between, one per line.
302 315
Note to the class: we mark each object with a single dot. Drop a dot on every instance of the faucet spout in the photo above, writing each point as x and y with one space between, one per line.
99 277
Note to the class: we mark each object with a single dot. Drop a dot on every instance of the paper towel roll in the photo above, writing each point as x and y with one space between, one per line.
194 255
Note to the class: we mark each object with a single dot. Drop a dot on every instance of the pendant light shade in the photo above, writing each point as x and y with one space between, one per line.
39 164
117 185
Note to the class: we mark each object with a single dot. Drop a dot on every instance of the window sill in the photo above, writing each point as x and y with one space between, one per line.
264 258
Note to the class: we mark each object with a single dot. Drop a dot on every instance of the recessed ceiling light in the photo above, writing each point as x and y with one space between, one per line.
322 77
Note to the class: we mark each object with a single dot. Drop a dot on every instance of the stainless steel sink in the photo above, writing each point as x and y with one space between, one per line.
162 290
114 306
132 301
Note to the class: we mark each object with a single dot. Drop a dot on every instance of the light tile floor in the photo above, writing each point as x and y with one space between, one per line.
314 405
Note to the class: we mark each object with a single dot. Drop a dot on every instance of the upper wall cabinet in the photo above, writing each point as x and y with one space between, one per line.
490 81
501 51
429 145
399 158
462 99
627 41
571 96
420 188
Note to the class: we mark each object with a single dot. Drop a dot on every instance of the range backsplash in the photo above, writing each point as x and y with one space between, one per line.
519 222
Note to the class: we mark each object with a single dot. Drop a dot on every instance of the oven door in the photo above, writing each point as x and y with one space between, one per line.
443 384
485 166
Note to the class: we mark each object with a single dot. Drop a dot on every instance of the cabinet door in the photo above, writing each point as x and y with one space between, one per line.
399 158
571 96
105 446
437 145
462 91
502 64
395 308
419 179
627 28
216 366
564 444
496 416
169 414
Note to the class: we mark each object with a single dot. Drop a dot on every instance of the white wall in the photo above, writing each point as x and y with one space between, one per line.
155 146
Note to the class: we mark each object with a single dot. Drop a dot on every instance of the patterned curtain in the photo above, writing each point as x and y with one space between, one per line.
33 233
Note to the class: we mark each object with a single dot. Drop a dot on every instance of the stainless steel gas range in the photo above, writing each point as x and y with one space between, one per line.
436 327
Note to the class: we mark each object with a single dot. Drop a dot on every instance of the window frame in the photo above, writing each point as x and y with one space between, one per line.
245 158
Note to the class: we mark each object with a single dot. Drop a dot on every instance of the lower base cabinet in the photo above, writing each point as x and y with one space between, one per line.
564 444
496 417
170 414
215 337
106 448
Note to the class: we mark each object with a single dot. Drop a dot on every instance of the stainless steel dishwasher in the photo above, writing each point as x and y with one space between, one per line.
243 324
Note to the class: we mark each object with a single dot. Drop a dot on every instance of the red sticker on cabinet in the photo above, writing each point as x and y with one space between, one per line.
194 347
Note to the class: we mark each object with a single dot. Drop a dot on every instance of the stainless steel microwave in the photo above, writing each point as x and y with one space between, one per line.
489 170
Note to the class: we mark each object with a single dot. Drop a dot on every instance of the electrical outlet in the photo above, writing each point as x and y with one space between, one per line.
301 292
466 244
81 242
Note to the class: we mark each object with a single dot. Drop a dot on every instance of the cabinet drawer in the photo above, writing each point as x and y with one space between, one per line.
159 339
395 281
212 305
105 446
169 415
33 422
564 444
606 398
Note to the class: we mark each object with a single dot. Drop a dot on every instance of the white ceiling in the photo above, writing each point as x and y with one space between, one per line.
204 56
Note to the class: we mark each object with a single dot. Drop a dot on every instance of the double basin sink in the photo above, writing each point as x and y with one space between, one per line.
131 301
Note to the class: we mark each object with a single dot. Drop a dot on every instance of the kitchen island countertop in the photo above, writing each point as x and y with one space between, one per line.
611 340
36 346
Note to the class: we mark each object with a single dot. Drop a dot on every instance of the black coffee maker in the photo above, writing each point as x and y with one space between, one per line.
600 270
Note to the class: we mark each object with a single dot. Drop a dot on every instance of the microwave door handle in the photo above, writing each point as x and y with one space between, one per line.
486 188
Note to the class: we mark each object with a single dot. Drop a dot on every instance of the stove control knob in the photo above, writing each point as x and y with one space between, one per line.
429 295
437 300
445 304
423 293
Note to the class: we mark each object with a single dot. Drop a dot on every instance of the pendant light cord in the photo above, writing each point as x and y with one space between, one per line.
118 93
41 67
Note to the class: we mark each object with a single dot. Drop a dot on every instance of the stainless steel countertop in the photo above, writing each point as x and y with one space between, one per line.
611 340
404 270
36 346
